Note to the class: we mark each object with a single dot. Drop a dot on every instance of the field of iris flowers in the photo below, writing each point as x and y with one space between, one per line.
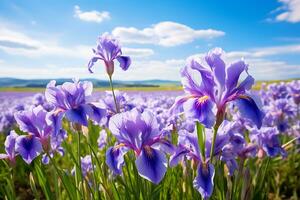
215 139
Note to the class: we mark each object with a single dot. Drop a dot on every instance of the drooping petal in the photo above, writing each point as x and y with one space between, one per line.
151 164
204 181
92 62
200 109
188 83
29 147
115 159
249 109
124 61
177 107
79 114
207 79
98 113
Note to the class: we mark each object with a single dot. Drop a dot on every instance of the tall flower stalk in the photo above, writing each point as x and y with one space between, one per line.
108 50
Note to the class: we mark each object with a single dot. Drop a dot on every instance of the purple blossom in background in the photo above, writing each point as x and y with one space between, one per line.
73 99
268 141
294 87
108 49
121 99
86 165
218 86
10 147
29 147
138 132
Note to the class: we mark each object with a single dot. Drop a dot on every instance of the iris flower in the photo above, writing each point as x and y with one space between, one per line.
138 132
73 100
108 49
212 84
9 145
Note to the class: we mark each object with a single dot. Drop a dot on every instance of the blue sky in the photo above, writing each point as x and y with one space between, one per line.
53 39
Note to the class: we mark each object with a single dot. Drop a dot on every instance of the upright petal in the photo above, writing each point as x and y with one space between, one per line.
233 73
124 61
151 164
249 109
204 181
207 82
214 60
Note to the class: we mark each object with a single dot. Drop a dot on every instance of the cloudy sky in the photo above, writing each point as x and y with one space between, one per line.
53 39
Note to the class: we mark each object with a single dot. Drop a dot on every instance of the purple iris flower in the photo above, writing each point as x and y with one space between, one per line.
121 99
10 148
108 49
295 91
138 132
188 147
218 86
29 147
268 142
72 99
34 122
86 165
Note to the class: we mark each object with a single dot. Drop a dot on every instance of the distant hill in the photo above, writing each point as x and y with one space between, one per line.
40 83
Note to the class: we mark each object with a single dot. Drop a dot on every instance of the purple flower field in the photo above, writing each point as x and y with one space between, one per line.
216 139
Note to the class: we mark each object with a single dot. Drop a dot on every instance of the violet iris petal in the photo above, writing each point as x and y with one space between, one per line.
151 164
29 147
138 132
249 109
73 99
108 49
218 86
204 180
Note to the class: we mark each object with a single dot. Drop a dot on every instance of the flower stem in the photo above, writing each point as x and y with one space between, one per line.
79 161
216 127
113 93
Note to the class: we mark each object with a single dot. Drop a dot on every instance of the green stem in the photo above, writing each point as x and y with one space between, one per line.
79 171
59 174
201 139
98 196
216 127
113 93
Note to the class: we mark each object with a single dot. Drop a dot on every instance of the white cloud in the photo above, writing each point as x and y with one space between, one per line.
17 43
138 52
91 16
290 11
164 33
